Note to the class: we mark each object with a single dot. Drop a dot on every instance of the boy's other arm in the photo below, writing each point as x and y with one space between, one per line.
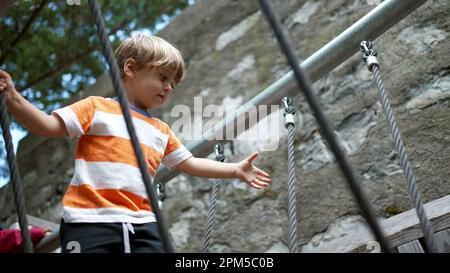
243 170
35 120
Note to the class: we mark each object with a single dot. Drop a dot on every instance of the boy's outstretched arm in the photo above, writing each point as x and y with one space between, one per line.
35 120
244 170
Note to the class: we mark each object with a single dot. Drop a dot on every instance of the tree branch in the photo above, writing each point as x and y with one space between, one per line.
24 30
56 71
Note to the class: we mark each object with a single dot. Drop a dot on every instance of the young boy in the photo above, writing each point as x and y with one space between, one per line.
105 208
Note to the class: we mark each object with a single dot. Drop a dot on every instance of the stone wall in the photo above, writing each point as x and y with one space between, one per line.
231 55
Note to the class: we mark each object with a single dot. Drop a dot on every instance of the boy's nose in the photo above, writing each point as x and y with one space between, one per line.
168 88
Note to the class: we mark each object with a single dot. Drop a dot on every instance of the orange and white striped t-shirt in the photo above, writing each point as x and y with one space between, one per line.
107 185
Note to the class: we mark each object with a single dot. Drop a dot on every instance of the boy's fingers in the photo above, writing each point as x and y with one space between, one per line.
253 185
264 179
260 183
4 75
263 173
252 157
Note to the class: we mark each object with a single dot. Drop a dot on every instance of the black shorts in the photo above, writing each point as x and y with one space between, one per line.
108 238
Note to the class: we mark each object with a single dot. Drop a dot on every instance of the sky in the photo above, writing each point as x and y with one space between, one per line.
17 135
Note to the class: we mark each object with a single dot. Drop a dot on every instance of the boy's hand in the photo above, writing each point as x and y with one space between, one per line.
6 85
35 120
251 175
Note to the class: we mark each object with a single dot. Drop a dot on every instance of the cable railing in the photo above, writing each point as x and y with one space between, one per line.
338 50
324 60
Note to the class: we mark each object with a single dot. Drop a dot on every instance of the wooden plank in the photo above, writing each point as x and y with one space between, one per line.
404 227
399 229
48 244
38 222
443 241
35 222
411 247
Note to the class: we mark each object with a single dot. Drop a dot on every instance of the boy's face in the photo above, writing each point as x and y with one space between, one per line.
149 87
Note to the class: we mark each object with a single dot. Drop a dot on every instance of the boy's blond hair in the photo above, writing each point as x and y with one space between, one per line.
153 51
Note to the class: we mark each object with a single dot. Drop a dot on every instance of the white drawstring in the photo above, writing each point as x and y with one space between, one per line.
127 227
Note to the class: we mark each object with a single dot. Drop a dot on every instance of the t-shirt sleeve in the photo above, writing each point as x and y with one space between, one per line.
175 152
77 117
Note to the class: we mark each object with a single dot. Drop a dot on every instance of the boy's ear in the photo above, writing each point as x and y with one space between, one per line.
129 68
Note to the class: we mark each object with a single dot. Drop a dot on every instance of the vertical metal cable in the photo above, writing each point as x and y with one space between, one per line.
305 86
16 180
218 148
210 222
370 55
289 112
119 89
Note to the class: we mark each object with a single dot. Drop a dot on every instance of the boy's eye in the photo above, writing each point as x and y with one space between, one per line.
163 77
